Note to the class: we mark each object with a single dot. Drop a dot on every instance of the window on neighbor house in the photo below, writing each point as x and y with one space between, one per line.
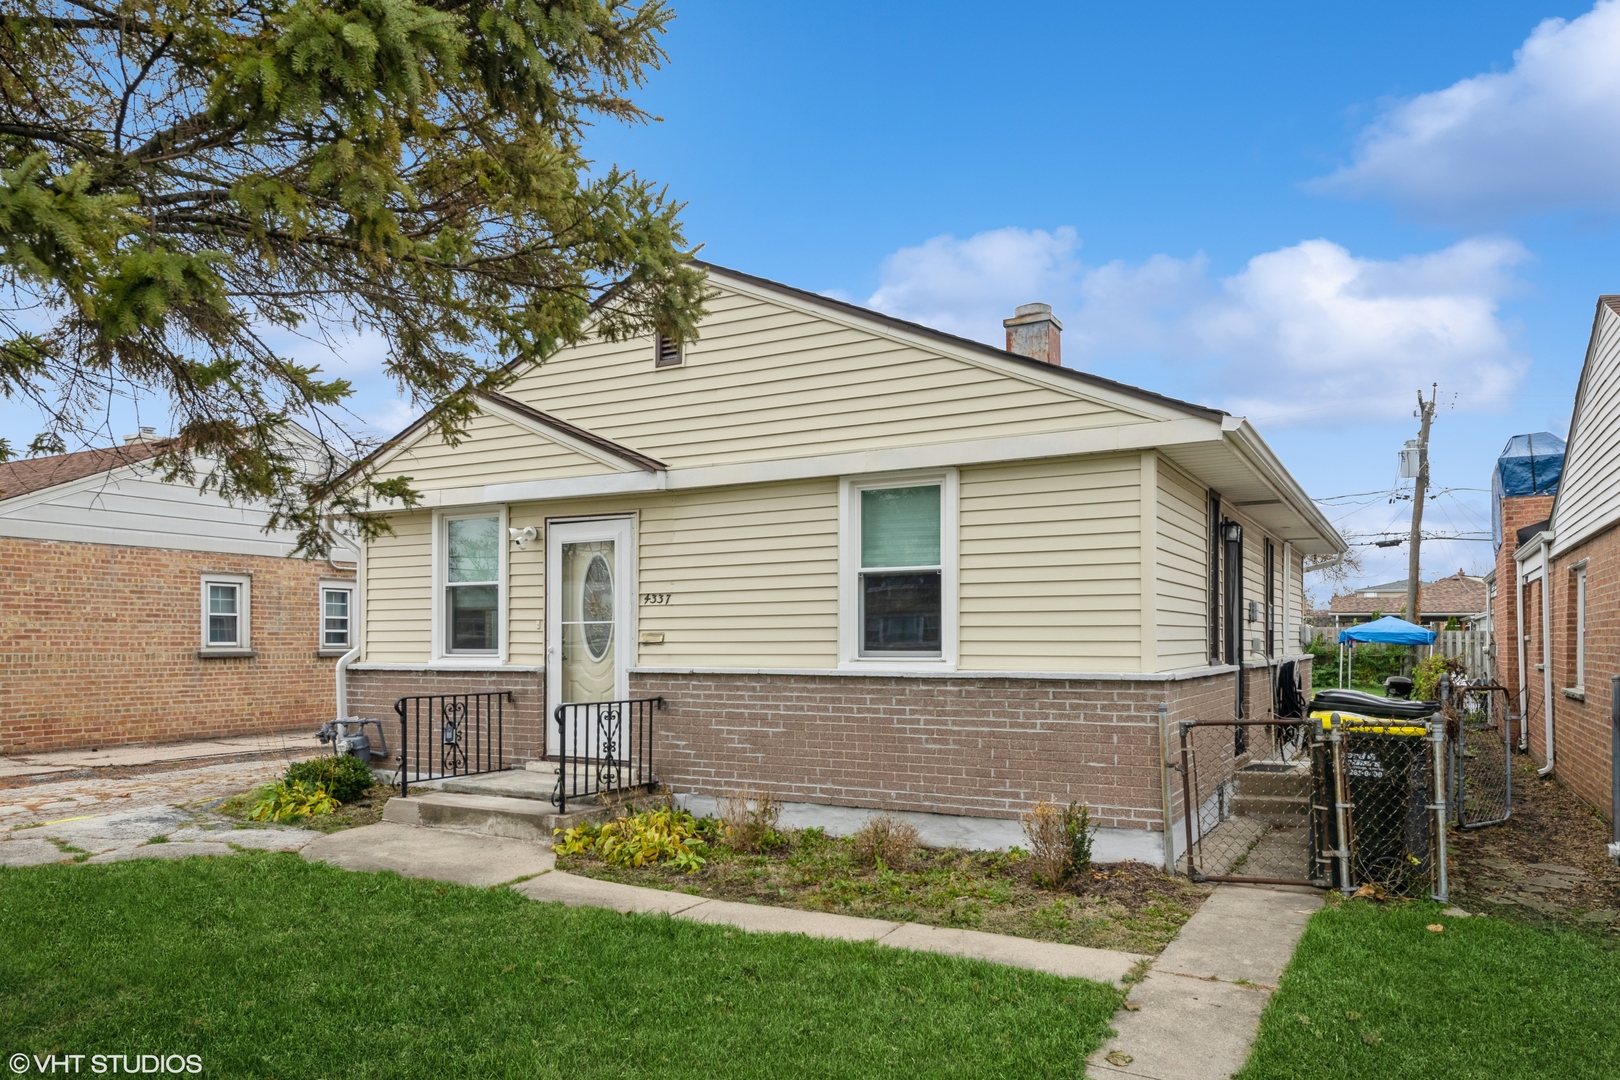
225 612
900 577
472 584
1580 628
336 604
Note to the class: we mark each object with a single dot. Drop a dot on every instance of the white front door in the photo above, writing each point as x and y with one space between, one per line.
590 604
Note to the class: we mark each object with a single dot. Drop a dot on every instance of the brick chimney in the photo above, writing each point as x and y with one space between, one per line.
1034 331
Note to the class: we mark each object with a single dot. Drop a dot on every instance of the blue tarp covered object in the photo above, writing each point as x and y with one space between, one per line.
1529 465
1390 631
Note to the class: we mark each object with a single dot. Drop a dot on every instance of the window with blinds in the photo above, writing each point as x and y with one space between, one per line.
900 573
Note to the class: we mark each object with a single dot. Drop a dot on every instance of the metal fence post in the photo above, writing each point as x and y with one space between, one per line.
1341 805
562 761
1189 808
1164 776
404 749
1437 735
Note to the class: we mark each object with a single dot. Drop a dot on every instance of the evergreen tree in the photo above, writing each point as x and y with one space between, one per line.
179 176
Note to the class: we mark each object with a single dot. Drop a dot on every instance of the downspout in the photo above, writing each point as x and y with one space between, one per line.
1546 649
342 680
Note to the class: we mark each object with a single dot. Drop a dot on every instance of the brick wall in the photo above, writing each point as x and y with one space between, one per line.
373 691
1583 742
1517 512
98 646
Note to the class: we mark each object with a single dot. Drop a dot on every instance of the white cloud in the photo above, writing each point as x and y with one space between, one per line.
1543 135
968 286
1298 334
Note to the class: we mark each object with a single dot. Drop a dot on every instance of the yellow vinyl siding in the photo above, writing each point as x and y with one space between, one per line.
398 620
495 451
1050 565
764 382
1183 571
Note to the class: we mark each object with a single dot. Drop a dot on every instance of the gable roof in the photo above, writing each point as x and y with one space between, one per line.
804 296
1459 594
558 428
35 474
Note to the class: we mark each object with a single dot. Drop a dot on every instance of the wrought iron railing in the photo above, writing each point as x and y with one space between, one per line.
451 735
603 747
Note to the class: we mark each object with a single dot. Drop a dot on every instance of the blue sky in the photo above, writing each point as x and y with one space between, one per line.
1302 213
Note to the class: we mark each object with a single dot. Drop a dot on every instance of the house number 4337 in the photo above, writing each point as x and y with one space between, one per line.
651 599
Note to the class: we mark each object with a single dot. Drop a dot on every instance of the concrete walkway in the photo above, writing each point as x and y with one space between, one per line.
471 859
1195 1015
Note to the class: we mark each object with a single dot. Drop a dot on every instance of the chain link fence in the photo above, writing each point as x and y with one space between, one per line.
1481 760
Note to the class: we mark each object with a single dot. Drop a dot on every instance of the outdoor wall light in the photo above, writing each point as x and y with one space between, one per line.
1231 532
521 537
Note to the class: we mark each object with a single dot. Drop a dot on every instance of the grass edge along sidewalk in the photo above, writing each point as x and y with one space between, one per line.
270 965
1379 994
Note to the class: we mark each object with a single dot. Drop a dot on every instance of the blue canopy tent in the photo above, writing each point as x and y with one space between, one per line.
1388 631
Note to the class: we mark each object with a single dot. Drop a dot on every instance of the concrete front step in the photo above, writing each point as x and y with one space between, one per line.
489 815
1279 810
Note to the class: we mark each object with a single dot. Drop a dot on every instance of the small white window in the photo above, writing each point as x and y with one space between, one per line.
899 588
337 603
226 618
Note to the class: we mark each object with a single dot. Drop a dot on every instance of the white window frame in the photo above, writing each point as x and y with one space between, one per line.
243 646
1579 570
334 585
849 570
442 656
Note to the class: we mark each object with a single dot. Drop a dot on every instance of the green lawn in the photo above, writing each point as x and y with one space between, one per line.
1372 993
267 966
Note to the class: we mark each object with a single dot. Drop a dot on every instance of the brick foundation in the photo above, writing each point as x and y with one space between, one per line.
98 647
964 746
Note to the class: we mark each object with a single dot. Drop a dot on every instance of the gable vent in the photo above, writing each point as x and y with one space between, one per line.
666 352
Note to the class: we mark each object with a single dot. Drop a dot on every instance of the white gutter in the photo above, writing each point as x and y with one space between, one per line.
342 679
1546 648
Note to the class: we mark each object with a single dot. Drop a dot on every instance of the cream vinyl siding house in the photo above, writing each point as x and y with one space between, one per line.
758 487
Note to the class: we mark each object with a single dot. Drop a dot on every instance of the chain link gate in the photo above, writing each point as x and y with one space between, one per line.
1329 802
1481 740
1248 789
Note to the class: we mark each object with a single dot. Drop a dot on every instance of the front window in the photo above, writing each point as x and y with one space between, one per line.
335 618
900 573
472 586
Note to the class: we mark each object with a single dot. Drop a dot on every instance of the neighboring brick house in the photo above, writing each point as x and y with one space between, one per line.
134 610
1460 596
1567 611
867 564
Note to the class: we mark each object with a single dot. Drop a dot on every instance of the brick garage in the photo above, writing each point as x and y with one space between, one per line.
99 644
1518 512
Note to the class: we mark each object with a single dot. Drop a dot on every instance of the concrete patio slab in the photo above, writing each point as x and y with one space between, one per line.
560 888
292 744
1069 961
161 851
465 858
29 851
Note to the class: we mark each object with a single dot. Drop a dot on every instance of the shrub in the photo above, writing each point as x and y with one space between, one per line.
748 819
1426 675
885 840
345 778
1059 841
284 801
667 834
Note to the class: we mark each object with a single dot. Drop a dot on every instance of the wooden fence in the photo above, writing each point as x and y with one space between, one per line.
1472 647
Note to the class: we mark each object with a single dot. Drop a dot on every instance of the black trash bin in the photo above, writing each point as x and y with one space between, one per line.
1388 776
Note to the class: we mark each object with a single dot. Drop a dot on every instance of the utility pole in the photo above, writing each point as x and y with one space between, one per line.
1425 412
